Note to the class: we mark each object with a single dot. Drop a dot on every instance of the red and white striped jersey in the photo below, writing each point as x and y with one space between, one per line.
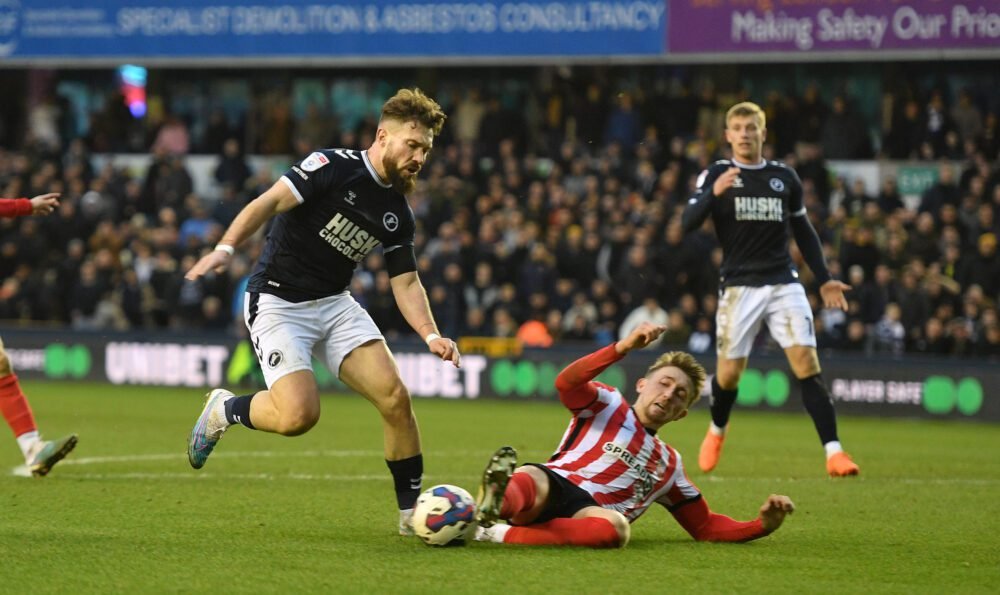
608 453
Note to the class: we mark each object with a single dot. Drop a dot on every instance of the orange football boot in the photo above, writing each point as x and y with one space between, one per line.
840 465
711 450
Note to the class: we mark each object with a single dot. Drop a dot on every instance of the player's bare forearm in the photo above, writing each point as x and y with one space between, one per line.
416 309
411 297
276 199
810 246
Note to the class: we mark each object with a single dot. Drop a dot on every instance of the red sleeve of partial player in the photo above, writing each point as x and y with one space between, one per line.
15 207
705 525
573 383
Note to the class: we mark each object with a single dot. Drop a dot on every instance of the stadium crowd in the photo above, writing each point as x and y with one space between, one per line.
552 215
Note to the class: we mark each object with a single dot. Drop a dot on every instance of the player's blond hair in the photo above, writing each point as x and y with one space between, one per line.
408 105
747 108
687 364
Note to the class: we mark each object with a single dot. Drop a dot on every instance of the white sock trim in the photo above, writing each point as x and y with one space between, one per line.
832 448
498 531
716 429
27 442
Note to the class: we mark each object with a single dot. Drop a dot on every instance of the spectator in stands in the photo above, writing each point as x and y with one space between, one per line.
889 199
989 345
889 334
934 341
172 138
649 311
232 169
856 337
983 268
580 198
843 134
967 117
906 132
943 191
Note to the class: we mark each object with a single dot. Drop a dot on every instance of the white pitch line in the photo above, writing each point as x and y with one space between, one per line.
868 479
224 455
229 476
264 454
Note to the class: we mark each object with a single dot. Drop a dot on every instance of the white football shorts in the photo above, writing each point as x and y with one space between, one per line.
743 309
286 335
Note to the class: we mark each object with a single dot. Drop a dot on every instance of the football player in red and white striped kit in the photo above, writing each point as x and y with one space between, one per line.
39 455
610 467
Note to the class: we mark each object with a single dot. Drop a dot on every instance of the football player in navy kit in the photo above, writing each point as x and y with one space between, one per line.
754 205
330 210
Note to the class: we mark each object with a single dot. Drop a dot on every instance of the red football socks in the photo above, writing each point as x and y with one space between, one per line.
14 406
593 532
519 495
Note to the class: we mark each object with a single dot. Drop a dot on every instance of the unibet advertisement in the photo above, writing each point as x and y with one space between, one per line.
952 389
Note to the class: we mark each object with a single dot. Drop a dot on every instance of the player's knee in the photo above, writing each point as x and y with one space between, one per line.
804 363
396 406
298 421
622 527
728 379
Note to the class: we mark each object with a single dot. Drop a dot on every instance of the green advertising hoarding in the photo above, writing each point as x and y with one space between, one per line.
953 389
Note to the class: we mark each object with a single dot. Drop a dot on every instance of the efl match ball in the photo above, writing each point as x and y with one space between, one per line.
444 515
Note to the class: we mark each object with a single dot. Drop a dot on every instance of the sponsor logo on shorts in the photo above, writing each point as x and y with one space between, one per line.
274 358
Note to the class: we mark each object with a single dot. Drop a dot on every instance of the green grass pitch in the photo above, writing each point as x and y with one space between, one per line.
125 513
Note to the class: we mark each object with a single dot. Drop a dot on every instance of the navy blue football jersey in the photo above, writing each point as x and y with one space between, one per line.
751 221
345 210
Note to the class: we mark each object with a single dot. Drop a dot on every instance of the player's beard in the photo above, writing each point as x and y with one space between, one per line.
402 184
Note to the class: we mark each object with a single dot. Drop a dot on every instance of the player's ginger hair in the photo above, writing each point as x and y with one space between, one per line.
687 364
411 104
747 108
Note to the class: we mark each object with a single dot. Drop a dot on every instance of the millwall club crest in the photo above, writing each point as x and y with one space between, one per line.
390 221
777 185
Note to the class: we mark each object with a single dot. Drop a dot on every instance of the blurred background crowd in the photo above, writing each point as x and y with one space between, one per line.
550 210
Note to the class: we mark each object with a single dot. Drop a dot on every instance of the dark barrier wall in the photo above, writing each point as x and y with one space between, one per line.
951 389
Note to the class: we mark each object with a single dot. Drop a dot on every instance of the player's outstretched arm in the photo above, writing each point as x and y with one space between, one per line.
411 297
640 337
710 186
573 383
276 199
774 510
704 525
44 204
832 293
